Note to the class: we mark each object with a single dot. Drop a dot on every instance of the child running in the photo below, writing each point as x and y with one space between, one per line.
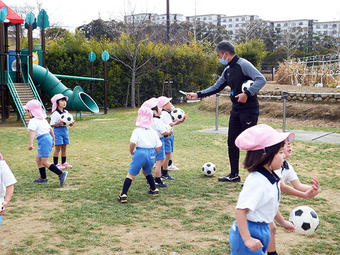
7 181
60 130
166 106
288 174
40 129
258 202
163 131
147 143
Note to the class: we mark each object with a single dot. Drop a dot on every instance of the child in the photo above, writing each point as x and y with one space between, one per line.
287 174
7 181
259 199
147 144
40 129
163 131
166 106
60 130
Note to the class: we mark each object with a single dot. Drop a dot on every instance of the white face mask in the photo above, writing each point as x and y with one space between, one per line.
223 61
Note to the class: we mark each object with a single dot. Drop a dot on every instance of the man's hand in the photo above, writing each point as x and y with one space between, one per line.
192 95
242 98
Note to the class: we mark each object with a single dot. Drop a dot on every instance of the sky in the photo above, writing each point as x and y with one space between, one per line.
72 13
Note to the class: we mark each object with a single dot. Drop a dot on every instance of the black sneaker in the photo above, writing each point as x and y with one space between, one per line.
122 198
230 178
161 185
167 177
153 192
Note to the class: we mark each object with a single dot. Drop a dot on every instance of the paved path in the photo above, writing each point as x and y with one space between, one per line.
301 135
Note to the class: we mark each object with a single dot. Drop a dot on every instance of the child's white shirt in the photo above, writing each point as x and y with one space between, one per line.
6 179
39 126
166 118
159 126
56 117
260 196
287 174
145 138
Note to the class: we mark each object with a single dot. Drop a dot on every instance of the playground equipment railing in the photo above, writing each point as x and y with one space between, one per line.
284 97
34 90
16 98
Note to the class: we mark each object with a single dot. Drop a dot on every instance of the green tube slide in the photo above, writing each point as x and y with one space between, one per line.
78 100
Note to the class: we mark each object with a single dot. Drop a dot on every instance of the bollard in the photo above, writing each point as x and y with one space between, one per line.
216 114
284 96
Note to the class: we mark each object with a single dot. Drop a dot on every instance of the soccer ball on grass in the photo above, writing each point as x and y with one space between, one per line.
209 169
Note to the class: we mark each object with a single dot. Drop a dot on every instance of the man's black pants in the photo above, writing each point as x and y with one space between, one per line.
238 121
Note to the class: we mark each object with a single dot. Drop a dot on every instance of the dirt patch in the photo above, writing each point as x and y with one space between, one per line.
30 223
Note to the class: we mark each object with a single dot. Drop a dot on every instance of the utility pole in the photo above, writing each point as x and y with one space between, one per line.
167 21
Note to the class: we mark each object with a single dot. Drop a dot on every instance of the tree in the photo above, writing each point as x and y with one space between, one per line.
252 50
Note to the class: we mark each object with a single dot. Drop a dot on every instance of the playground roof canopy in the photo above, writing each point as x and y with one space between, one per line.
12 16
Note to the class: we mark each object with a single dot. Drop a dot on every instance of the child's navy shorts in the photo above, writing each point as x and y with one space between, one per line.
161 154
258 230
61 135
142 158
45 143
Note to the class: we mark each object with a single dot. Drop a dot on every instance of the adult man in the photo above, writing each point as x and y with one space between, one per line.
245 106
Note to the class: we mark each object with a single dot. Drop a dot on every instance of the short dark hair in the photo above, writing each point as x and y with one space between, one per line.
257 158
225 46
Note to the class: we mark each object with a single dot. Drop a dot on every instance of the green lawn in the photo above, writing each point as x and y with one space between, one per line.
191 216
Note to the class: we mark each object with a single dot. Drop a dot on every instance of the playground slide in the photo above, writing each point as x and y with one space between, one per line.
78 100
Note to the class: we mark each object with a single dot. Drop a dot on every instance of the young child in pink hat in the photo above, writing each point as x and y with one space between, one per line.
40 129
144 144
60 130
165 104
258 202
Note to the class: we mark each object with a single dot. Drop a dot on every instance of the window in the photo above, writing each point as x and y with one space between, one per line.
236 19
242 19
224 20
294 24
325 26
204 18
318 26
210 18
230 25
334 32
300 23
198 19
236 25
285 24
278 25
334 25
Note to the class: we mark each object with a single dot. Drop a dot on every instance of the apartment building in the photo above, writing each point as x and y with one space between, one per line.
331 28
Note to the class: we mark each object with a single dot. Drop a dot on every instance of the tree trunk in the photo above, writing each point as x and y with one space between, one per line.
133 88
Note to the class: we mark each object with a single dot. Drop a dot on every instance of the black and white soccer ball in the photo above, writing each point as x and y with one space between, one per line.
305 220
209 169
246 85
67 118
177 114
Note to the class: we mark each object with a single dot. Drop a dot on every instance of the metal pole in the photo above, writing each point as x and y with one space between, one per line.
92 74
2 72
17 50
216 113
43 46
30 49
105 87
284 96
167 21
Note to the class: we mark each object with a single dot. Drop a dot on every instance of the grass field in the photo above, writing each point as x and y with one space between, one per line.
191 216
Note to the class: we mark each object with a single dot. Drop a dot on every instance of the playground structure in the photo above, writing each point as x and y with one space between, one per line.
319 71
23 70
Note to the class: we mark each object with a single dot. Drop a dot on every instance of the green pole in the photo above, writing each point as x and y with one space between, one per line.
105 58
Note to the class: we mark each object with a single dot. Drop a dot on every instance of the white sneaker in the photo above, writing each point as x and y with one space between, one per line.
173 167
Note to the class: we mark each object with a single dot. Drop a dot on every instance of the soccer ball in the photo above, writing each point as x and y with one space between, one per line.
67 118
209 169
246 85
177 114
305 220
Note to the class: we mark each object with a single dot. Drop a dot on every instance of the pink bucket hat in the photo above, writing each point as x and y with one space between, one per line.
163 101
144 118
54 100
151 103
261 136
34 106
